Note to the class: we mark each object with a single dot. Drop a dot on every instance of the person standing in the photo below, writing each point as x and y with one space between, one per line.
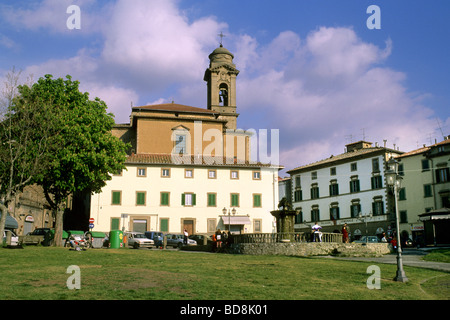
317 234
186 234
345 233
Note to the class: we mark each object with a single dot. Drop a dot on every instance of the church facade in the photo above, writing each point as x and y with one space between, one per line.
190 168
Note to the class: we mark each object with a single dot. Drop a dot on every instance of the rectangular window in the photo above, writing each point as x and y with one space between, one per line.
299 215
140 198
257 201
298 182
115 223
212 225
257 225
180 144
375 165
298 195
116 198
425 165
165 198
442 175
334 213
402 194
376 182
188 199
234 200
314 175
212 174
165 173
355 210
256 175
314 191
353 166
427 191
188 173
354 185
141 172
403 216
164 225
333 171
377 207
234 174
334 188
315 214
212 199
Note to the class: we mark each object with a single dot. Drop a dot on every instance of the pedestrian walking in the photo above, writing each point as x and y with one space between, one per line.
317 233
345 233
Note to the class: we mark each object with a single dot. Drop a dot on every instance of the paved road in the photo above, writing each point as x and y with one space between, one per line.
411 257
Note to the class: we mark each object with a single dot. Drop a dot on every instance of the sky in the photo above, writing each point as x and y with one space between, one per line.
317 72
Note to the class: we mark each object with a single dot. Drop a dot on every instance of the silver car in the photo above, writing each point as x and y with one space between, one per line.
176 240
138 240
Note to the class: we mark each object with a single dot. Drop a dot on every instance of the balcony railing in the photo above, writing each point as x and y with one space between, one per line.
285 237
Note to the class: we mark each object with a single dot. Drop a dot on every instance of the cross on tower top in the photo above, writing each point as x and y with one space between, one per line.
221 35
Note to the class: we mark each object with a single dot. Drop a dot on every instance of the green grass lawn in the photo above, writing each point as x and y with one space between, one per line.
438 255
40 273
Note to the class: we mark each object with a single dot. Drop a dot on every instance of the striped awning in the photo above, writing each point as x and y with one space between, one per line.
236 220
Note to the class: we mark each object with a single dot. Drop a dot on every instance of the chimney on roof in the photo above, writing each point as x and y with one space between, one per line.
358 145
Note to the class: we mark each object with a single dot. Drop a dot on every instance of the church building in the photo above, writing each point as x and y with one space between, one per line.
190 167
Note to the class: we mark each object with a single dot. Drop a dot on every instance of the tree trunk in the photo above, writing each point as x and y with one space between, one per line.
59 215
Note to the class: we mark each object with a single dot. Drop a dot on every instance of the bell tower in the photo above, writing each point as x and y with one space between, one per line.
221 82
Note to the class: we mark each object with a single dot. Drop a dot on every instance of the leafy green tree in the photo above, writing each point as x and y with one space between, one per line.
25 133
83 152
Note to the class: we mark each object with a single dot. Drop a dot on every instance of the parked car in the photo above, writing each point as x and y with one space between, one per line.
35 237
156 236
200 238
138 240
177 240
14 242
370 239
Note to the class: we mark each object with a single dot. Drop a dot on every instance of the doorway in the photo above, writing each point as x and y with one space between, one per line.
188 224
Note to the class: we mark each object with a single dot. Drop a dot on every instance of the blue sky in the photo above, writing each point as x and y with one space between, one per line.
311 69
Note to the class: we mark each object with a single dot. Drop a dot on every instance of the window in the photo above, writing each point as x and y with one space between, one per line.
141 172
257 225
355 209
234 174
403 216
333 171
188 173
354 184
257 201
299 215
212 174
334 212
376 182
353 166
211 225
188 199
115 223
297 182
140 198
165 173
116 198
165 198
442 175
314 175
402 194
425 165
375 165
314 191
298 195
401 169
427 191
334 188
315 213
180 144
212 197
234 200
256 175
164 225
377 207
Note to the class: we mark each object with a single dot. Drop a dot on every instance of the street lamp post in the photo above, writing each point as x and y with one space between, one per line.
224 211
394 180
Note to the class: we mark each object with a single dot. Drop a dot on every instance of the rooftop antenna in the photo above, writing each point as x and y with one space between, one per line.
439 125
221 35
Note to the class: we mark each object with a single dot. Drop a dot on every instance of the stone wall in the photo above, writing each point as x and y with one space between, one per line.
316 249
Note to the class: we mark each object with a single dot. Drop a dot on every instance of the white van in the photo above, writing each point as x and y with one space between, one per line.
14 238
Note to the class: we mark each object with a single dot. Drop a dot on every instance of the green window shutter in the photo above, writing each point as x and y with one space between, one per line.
140 198
164 225
257 200
164 199
235 200
116 197
194 199
183 199
211 200
115 223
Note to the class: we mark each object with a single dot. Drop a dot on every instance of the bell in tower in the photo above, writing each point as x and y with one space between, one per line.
221 82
